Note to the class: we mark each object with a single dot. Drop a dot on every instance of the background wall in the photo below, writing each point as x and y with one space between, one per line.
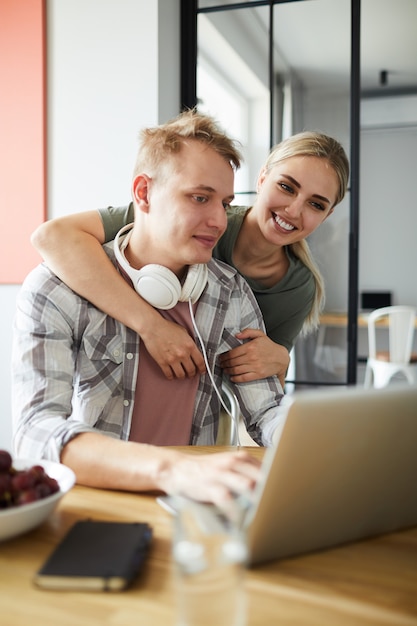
388 215
387 226
330 113
388 219
104 85
106 79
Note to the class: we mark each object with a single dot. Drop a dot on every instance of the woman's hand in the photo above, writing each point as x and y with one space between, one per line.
258 357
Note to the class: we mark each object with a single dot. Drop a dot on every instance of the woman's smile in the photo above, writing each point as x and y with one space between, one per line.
286 226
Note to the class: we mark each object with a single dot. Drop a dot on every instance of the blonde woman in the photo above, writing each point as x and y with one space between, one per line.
303 179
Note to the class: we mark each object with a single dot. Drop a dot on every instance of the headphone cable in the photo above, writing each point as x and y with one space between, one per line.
225 407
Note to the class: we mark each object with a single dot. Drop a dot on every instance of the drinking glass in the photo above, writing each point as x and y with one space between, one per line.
209 555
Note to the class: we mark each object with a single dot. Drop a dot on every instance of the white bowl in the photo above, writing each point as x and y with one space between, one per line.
20 519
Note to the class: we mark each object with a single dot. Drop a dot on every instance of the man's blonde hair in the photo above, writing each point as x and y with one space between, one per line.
158 144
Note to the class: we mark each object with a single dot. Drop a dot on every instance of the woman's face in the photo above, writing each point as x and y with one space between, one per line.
294 198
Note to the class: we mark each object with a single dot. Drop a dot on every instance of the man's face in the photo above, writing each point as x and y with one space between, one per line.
186 207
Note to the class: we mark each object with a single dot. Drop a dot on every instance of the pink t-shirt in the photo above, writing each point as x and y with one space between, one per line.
163 410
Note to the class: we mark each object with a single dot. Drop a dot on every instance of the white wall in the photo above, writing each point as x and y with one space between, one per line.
104 85
113 68
388 213
387 203
387 208
330 114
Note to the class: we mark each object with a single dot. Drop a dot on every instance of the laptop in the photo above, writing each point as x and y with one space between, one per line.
344 468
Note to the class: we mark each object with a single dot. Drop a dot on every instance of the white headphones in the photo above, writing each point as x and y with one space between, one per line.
157 284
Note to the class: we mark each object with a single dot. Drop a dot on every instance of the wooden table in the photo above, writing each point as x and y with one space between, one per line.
368 583
338 319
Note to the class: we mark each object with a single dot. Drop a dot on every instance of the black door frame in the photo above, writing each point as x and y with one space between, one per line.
189 12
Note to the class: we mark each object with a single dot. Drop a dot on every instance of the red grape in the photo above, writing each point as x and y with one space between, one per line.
25 497
5 461
18 487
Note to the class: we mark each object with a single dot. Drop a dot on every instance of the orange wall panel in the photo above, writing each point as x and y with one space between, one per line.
22 133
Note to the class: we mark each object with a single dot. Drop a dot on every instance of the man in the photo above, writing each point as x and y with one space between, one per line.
85 390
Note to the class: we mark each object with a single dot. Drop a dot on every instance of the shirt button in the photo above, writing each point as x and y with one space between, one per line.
126 402
129 356
116 353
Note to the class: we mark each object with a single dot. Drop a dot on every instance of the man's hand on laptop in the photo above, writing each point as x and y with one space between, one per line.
217 478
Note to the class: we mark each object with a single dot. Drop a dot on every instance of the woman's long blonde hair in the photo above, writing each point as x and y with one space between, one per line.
310 143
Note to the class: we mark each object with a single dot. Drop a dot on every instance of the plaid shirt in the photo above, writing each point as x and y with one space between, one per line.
75 368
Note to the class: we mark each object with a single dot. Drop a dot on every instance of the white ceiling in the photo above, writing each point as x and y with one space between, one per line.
313 39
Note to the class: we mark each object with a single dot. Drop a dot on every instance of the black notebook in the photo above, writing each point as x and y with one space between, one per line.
97 555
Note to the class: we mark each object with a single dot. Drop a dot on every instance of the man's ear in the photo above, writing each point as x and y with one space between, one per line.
140 191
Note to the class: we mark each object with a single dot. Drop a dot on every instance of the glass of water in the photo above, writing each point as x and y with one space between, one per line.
209 556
